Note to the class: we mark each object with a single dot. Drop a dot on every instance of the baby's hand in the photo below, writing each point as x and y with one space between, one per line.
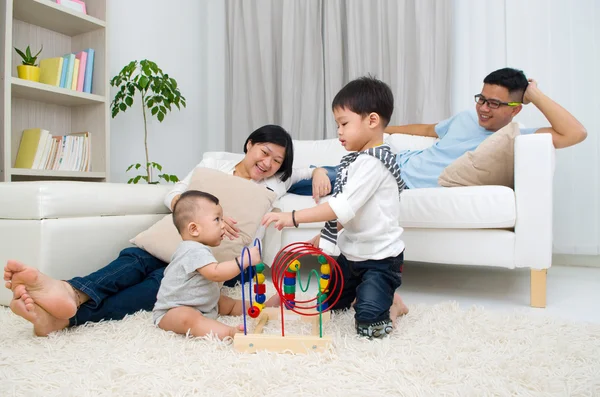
254 257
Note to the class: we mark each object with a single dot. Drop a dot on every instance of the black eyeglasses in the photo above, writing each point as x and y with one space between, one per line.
493 103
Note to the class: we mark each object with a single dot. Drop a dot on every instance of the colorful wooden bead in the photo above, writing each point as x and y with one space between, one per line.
290 305
260 278
260 306
322 259
289 297
289 274
253 311
323 283
325 269
289 281
321 297
322 307
289 289
260 288
260 267
260 298
294 266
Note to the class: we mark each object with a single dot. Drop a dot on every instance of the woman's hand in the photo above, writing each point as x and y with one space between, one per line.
321 185
231 230
281 219
174 201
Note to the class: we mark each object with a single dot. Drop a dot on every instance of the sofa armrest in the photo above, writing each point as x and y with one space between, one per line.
67 199
534 173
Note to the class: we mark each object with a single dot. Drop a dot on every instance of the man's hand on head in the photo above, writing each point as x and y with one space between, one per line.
530 92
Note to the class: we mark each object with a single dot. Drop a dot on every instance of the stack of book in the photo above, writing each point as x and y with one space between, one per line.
71 71
41 150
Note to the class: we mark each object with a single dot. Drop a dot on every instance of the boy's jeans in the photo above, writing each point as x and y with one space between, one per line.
128 284
372 283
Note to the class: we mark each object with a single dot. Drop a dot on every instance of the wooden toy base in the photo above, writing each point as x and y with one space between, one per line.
298 344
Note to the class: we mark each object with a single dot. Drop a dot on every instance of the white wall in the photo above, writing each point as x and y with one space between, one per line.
556 43
184 38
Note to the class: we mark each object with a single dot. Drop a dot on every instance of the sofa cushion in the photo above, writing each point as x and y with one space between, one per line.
492 163
243 200
67 199
474 207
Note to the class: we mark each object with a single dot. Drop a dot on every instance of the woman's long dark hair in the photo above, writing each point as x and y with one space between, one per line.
277 135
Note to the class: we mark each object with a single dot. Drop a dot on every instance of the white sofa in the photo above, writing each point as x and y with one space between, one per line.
70 229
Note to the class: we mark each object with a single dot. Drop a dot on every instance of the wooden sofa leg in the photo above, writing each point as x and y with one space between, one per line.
538 288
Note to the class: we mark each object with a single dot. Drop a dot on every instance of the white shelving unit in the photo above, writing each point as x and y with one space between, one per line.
25 104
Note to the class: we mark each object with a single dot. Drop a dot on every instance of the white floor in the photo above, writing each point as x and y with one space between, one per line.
573 292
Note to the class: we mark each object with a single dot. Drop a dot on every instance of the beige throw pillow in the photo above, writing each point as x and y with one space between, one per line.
241 199
492 163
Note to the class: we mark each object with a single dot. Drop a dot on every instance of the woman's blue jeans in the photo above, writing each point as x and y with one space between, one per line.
128 284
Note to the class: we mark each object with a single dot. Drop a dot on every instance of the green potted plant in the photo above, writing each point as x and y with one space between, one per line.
28 70
159 94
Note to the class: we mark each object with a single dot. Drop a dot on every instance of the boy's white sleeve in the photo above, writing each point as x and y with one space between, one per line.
298 174
183 184
365 175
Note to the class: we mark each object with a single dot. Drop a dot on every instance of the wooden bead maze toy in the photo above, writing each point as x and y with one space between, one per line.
286 277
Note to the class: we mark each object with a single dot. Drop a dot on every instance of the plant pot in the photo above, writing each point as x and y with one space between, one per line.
28 72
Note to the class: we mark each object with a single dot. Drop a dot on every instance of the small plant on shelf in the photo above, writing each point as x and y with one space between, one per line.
159 93
29 70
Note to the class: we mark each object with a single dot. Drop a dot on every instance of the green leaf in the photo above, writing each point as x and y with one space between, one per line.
129 101
173 178
161 116
130 181
150 102
122 106
115 111
137 179
28 52
163 110
128 168
145 177
137 166
154 110
143 82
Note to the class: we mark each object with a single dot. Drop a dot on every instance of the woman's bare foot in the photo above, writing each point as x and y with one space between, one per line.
398 309
55 297
43 322
273 301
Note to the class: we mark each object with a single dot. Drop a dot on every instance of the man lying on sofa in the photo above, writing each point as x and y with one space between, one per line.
504 93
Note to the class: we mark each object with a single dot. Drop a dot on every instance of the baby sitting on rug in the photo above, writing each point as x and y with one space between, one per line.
189 298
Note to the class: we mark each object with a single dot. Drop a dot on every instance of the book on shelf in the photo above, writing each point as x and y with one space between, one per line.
41 150
72 71
51 71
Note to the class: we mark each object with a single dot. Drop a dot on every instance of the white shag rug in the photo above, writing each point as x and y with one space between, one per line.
439 350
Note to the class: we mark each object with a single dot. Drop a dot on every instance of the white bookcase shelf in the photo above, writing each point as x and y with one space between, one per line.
50 94
26 104
57 174
49 15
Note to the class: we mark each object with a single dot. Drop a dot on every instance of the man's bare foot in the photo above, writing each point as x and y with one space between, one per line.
398 309
43 322
55 297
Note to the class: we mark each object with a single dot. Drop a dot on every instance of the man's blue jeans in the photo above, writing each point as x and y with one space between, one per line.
128 284
372 283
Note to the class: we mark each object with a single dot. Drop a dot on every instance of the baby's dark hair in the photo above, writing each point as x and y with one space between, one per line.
185 208
366 95
513 80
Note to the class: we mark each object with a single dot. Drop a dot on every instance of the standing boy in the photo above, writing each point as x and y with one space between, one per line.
365 204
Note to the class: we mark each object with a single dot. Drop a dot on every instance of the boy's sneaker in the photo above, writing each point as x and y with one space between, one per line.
375 330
